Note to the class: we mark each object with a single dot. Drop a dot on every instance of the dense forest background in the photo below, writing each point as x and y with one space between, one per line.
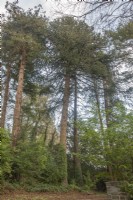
67 118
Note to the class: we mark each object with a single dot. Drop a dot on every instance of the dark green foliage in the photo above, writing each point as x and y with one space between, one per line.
5 155
29 162
114 148
100 179
128 188
54 171
32 164
67 46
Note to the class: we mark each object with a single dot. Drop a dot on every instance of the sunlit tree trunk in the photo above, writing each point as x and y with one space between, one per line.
65 112
18 103
63 129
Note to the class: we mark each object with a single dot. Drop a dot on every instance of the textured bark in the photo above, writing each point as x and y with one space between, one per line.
63 130
6 97
17 110
65 112
77 164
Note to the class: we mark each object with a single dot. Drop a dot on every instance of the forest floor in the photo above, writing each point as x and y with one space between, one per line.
22 195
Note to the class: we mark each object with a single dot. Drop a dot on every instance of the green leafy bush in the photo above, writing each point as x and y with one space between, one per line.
29 162
88 182
35 164
5 155
41 187
54 170
128 188
101 179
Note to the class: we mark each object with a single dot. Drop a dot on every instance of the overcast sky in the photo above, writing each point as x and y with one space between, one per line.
50 6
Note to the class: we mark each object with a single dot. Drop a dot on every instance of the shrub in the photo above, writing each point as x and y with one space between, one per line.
128 188
29 162
101 178
5 155
54 170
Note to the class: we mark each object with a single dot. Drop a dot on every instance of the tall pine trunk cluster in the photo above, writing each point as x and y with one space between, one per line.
63 58
26 45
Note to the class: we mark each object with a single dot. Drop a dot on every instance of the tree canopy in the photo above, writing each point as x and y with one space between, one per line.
67 119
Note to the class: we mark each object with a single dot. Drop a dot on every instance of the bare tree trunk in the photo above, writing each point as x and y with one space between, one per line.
65 112
107 113
107 100
77 163
46 132
6 97
17 110
98 105
52 141
34 131
63 130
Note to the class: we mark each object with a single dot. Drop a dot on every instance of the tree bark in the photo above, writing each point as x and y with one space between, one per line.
98 105
109 90
77 164
107 113
65 112
107 102
6 97
17 110
63 129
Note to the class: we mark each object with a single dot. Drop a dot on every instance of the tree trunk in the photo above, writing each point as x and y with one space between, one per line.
6 97
109 90
34 131
17 110
107 102
46 132
107 107
98 105
63 130
65 112
77 164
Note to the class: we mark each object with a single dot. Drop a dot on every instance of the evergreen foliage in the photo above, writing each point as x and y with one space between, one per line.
65 70
5 155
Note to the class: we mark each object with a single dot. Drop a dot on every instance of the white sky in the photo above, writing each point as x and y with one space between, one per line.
50 6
